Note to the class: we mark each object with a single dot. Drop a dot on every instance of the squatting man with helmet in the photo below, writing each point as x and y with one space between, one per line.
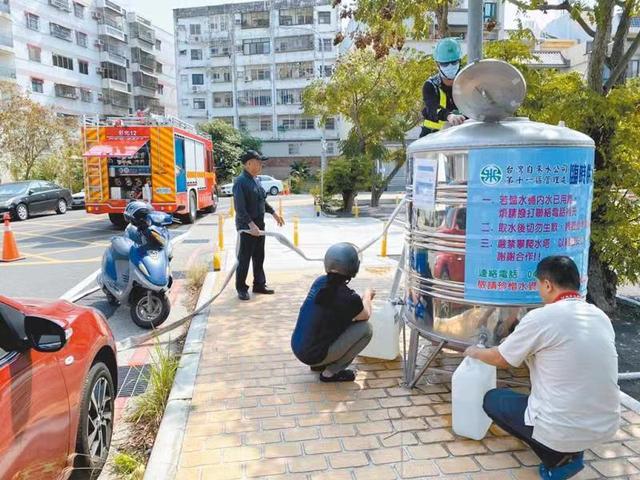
332 327
437 94
569 347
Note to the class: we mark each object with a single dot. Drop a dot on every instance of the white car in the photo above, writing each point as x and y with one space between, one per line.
270 185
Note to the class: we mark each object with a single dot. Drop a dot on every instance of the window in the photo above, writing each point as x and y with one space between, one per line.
197 79
256 46
255 20
325 44
65 91
307 124
294 149
158 67
258 72
78 10
37 85
196 54
266 124
219 49
219 23
254 98
199 104
634 69
62 62
294 44
33 21
34 53
328 71
59 31
222 100
183 53
324 18
489 11
83 67
290 96
221 75
295 70
158 44
331 148
330 124
114 72
296 16
86 95
288 124
160 89
194 29
184 78
82 39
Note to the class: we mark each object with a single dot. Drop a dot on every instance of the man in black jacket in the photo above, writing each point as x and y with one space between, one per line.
250 205
439 107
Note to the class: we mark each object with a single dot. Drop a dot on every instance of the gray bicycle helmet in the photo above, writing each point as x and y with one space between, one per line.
342 258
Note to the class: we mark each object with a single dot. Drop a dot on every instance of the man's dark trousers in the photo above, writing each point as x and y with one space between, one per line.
251 250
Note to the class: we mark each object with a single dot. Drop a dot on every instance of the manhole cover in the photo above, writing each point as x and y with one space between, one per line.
132 381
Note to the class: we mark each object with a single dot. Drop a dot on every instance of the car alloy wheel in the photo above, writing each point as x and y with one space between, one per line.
62 206
274 191
100 416
22 212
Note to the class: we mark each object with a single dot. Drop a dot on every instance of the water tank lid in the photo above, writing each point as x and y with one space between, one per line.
489 90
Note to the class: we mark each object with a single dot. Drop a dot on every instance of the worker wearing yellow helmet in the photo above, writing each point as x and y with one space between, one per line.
439 107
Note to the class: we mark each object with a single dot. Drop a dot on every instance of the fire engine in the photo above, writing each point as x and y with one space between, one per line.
161 160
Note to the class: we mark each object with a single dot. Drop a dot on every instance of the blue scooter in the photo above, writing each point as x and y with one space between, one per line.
136 266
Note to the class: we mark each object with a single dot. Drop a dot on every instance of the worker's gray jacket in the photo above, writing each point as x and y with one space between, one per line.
249 201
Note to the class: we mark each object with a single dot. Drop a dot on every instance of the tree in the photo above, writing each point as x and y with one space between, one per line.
381 99
228 145
29 132
299 170
64 167
347 176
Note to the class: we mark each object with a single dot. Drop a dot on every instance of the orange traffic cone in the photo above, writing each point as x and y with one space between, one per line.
10 251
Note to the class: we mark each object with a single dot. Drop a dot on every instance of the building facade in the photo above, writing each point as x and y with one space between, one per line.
87 57
247 64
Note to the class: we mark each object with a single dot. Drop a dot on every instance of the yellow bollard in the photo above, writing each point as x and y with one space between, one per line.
356 209
232 210
217 263
383 245
280 211
317 207
296 239
221 232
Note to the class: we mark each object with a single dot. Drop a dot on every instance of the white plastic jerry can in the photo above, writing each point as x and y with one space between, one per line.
470 382
385 342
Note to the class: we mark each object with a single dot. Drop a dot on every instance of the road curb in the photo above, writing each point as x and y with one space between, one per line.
165 455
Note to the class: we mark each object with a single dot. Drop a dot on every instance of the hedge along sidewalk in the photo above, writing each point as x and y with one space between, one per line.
166 450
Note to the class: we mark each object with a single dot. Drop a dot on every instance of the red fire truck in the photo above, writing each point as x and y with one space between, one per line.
161 160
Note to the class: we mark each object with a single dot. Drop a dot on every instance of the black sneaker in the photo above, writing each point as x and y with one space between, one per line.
244 296
264 290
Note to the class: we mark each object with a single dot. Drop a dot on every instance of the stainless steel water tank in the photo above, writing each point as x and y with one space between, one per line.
487 201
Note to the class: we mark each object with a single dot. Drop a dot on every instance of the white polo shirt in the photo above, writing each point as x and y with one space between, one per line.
569 347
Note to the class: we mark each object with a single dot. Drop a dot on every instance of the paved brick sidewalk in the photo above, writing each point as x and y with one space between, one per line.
258 413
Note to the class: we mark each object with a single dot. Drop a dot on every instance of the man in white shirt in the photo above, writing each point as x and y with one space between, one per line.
569 347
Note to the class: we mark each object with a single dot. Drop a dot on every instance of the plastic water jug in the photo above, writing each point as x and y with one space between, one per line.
385 342
471 380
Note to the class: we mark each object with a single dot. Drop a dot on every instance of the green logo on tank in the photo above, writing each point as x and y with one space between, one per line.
491 175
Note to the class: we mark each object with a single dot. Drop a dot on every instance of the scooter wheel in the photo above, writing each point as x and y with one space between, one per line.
149 311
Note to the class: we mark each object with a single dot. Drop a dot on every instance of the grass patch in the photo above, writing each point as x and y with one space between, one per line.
128 467
196 276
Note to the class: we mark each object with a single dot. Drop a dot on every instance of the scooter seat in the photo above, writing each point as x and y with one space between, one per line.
121 247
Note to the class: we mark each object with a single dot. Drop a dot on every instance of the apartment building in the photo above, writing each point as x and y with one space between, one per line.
87 57
247 63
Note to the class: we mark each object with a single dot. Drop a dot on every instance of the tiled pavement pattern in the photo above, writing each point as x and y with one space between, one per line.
258 413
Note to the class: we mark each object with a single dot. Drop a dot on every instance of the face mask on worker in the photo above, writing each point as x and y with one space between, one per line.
450 70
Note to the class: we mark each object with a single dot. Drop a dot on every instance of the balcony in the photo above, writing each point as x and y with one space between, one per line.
117 85
145 60
7 72
112 32
140 30
151 104
145 82
66 91
116 99
107 5
63 5
4 7
113 57
6 43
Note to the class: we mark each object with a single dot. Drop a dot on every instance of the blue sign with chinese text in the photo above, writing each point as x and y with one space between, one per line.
525 204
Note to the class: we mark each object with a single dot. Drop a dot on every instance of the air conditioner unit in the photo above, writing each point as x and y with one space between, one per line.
195 38
99 43
247 79
100 97
96 15
99 70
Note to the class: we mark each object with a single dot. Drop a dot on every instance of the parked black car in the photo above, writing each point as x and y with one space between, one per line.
22 199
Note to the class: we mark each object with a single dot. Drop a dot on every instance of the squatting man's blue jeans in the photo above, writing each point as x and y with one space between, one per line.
506 408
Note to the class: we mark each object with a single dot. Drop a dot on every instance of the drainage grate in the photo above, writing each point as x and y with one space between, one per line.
132 381
196 240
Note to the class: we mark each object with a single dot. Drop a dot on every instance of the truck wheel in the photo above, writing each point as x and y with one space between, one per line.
193 209
118 220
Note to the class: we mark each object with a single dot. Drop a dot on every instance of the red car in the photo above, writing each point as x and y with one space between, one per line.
449 265
58 374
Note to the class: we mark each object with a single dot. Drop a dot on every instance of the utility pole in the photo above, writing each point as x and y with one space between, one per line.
474 33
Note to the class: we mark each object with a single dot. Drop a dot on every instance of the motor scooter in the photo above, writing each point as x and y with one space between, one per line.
136 269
